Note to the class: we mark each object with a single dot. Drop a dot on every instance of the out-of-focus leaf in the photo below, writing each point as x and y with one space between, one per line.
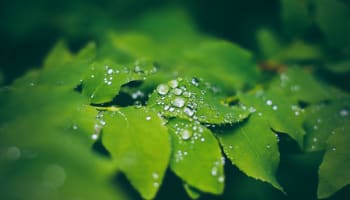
327 12
193 99
192 142
61 109
296 18
340 67
322 119
252 147
139 143
59 55
39 161
221 62
300 85
334 171
281 113
299 51
269 43
1 78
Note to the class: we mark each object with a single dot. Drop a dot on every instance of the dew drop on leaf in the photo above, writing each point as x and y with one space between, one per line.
162 89
344 112
148 118
186 134
269 102
173 83
178 102
13 153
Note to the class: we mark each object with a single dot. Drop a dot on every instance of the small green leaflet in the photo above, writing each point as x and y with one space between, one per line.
139 143
322 119
224 63
278 111
193 193
334 171
193 99
104 80
196 156
300 85
252 147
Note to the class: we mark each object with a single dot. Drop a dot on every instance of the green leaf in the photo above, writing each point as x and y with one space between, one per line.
192 142
61 109
39 161
300 85
138 141
281 113
192 192
296 18
252 147
269 44
225 63
334 170
104 80
322 119
340 67
326 13
59 55
193 99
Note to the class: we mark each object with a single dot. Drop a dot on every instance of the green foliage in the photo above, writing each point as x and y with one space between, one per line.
160 97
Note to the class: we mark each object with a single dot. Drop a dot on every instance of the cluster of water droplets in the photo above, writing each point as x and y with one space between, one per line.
217 165
285 82
177 99
98 126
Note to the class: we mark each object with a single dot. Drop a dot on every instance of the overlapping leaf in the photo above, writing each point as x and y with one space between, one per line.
103 80
280 112
258 158
192 142
334 170
139 143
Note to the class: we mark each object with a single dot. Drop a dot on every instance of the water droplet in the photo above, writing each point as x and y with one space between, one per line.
75 127
221 179
110 71
162 89
55 175
214 171
178 102
269 102
344 112
274 107
137 69
187 94
94 136
315 127
31 84
314 139
166 107
260 114
109 83
155 175
268 146
173 83
195 82
171 109
202 139
252 109
334 148
13 153
92 76
296 113
188 111
230 147
148 118
155 184
186 134
177 91
319 120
